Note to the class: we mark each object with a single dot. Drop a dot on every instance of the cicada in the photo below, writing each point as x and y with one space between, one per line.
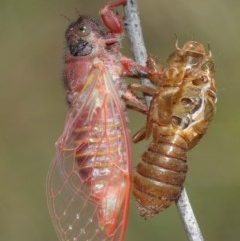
89 179
182 107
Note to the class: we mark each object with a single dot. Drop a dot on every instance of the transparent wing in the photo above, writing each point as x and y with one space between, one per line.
94 145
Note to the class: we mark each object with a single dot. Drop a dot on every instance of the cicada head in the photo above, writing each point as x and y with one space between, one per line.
84 37
191 54
194 48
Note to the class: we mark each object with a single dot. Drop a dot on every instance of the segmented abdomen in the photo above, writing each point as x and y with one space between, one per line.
99 150
160 174
102 161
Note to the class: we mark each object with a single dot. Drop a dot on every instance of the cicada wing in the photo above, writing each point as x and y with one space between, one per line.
77 212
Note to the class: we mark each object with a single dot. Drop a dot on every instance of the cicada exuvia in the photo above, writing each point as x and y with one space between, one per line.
182 107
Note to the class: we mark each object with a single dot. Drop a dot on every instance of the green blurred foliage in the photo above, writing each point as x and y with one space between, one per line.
32 105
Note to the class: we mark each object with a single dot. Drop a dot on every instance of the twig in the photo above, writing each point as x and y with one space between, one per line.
134 31
188 218
133 27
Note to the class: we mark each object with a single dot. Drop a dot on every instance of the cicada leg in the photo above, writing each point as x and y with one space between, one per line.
112 21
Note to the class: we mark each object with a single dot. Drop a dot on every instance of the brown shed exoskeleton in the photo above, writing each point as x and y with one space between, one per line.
182 106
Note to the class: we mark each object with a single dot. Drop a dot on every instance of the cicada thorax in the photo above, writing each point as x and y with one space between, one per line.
182 106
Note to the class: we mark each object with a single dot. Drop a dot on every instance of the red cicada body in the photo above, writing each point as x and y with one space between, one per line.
89 179
182 106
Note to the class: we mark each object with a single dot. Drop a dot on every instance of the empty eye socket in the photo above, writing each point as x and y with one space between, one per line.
208 66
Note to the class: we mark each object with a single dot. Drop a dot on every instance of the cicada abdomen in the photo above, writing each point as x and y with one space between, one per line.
182 106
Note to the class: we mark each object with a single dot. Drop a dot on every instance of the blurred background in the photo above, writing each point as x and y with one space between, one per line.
33 108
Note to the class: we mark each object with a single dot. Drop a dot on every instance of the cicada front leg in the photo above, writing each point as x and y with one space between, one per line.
112 21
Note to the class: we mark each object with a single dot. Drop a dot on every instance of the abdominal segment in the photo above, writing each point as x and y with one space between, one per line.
160 175
101 164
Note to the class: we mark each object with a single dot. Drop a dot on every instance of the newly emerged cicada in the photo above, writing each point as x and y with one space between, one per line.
182 107
89 179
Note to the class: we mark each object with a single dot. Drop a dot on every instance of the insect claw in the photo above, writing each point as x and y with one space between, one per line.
140 135
136 108
133 99
147 90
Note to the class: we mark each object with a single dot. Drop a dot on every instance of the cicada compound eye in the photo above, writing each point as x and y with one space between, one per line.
83 30
79 29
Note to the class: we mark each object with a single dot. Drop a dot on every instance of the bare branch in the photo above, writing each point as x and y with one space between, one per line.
133 27
186 213
134 31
